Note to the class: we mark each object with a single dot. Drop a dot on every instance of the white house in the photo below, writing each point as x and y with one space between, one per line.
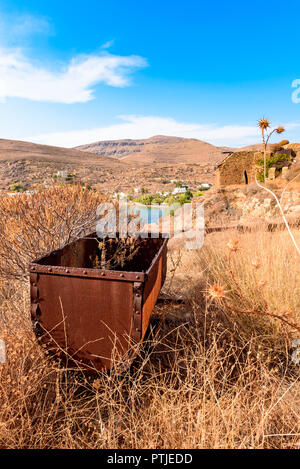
62 174
179 190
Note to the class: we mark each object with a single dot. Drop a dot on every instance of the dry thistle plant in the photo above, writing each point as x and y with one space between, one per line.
265 124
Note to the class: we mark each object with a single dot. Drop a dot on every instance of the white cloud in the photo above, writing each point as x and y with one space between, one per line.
143 127
136 127
21 78
27 25
108 44
22 28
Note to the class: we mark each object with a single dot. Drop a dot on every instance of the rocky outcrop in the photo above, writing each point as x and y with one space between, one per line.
248 205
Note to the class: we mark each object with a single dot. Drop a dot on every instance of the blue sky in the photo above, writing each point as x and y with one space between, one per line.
74 72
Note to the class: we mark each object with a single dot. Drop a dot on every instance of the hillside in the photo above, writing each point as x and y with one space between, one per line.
112 166
31 164
158 149
19 150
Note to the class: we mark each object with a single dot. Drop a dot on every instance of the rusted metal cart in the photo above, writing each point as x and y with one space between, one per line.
94 315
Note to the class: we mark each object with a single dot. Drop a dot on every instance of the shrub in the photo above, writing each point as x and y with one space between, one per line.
35 224
199 193
273 160
185 198
16 187
260 176
170 200
145 199
157 199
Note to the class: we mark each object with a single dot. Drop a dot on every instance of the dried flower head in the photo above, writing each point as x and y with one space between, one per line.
233 245
263 123
216 291
280 129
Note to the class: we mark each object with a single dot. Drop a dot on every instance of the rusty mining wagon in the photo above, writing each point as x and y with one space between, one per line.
95 313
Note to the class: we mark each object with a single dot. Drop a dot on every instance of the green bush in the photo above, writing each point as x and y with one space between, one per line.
261 177
269 163
170 199
199 193
157 199
145 199
273 160
17 187
188 195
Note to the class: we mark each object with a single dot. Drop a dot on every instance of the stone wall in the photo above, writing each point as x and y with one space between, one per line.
237 168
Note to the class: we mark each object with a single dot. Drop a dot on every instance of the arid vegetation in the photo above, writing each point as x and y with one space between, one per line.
214 372
37 223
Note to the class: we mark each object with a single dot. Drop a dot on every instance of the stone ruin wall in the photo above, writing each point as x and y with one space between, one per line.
232 170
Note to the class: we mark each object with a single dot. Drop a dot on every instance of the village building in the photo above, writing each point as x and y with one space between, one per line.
237 168
241 167
179 190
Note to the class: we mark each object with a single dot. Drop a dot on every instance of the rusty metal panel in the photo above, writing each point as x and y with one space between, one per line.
80 317
155 280
88 273
94 314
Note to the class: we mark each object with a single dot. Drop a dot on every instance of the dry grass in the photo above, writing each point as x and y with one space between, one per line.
218 376
46 220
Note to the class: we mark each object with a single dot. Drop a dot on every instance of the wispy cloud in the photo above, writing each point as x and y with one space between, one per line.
22 78
108 44
146 126
16 29
26 25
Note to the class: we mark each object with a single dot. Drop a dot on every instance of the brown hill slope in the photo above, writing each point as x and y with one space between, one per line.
31 164
19 150
158 149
